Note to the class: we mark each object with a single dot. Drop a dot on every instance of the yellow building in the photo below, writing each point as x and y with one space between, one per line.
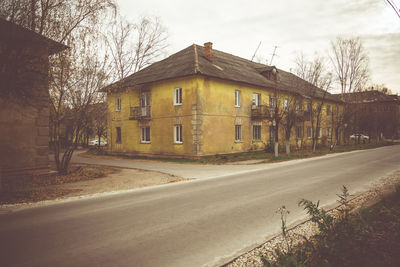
201 101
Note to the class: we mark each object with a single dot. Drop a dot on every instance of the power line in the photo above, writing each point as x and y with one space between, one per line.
393 5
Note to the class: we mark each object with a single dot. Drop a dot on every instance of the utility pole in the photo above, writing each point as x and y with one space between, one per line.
273 54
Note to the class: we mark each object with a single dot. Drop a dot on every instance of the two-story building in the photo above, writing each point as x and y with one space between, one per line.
202 101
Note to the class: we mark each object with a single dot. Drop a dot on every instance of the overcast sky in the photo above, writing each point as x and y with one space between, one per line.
237 27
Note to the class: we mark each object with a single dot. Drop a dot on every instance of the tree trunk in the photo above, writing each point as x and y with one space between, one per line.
288 147
276 149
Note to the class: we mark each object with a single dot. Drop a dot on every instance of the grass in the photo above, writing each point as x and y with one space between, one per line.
370 237
262 156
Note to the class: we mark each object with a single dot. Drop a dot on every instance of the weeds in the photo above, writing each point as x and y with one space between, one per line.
369 238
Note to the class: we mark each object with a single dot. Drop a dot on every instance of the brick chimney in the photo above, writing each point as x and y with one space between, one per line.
208 51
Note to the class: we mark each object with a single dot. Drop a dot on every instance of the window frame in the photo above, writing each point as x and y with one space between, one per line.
237 98
285 104
328 110
177 96
309 132
178 139
319 132
328 131
118 104
256 99
257 133
299 132
238 132
145 134
272 102
118 139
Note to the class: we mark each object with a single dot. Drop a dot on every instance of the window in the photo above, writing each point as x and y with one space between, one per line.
118 139
118 104
336 110
238 132
178 134
145 99
328 131
145 138
285 104
299 132
309 132
319 132
309 106
256 99
272 102
298 108
328 110
256 132
237 98
178 96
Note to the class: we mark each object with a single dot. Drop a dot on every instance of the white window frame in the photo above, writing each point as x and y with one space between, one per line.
309 133
118 104
178 96
299 132
257 134
145 135
328 131
238 133
237 98
285 104
319 132
256 99
272 102
178 134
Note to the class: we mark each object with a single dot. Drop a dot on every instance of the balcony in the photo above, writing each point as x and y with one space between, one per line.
140 113
260 112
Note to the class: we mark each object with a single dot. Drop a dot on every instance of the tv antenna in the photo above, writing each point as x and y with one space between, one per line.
255 52
273 55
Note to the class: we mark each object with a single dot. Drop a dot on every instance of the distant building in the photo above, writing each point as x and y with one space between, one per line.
24 99
375 113
201 101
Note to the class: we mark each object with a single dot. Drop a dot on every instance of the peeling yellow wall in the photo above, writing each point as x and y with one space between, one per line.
164 115
208 116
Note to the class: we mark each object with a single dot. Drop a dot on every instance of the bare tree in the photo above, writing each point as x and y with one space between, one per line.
292 113
319 82
350 63
75 84
135 46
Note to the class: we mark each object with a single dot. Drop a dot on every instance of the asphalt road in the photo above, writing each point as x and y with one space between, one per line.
185 224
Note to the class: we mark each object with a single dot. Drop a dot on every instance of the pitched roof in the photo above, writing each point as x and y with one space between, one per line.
191 60
14 33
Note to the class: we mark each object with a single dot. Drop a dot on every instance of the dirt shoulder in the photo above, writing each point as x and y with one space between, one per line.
83 180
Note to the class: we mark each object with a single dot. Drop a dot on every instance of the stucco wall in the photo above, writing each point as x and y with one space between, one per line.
24 109
208 116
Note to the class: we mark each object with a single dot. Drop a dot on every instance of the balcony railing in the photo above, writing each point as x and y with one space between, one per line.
261 112
140 113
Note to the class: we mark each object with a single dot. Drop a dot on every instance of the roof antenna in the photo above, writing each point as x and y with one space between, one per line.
255 52
273 54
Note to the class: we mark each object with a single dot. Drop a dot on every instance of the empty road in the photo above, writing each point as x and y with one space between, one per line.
193 223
